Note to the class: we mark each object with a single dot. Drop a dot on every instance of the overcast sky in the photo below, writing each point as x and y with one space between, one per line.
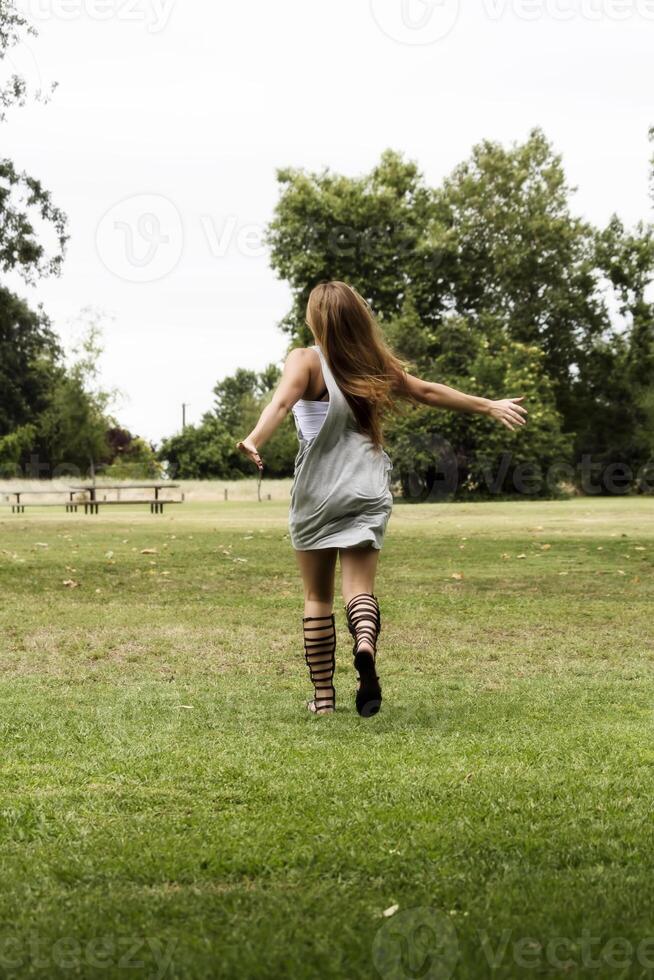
170 118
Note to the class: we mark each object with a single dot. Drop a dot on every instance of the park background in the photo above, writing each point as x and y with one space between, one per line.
168 806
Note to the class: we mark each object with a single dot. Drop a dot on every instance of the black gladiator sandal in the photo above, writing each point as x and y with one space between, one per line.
319 653
364 623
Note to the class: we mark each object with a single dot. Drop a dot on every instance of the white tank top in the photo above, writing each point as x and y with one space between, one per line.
309 417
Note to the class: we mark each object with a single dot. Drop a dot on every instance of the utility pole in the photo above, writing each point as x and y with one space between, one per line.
185 405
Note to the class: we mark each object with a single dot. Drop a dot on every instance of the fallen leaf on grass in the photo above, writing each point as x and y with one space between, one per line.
457 575
70 583
621 571
639 548
41 544
391 910
148 551
521 556
545 547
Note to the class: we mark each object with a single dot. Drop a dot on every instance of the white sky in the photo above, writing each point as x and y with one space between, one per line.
184 109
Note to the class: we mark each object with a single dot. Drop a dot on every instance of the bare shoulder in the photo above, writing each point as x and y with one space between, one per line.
301 359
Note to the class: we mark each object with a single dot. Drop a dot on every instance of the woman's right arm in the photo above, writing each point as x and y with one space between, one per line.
292 386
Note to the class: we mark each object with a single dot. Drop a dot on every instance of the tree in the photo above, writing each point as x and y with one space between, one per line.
436 455
202 452
521 256
376 232
27 212
29 362
129 457
493 261
73 429
209 449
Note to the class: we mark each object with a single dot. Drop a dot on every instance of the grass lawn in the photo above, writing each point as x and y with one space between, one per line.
169 808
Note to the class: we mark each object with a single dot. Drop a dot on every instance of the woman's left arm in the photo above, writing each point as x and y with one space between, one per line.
508 411
295 378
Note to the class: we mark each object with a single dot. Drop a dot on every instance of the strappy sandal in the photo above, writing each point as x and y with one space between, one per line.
319 653
364 624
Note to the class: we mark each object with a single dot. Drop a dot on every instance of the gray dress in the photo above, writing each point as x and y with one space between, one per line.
341 495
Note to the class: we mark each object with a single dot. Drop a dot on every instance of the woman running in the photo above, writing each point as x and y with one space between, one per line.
338 390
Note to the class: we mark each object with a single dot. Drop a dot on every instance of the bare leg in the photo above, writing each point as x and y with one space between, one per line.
318 568
358 569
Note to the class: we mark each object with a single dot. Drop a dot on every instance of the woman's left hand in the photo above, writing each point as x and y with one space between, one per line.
508 411
248 447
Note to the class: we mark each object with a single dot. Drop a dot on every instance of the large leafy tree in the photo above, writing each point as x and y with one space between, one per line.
32 228
486 282
377 232
51 415
29 356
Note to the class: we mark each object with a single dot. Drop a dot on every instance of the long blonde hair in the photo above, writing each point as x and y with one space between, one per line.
364 367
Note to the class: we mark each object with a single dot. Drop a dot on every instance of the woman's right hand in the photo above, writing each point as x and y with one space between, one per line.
247 447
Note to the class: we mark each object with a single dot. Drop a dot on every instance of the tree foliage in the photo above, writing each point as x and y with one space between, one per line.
208 450
490 283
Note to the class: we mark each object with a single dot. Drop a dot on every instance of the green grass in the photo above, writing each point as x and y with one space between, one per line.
167 801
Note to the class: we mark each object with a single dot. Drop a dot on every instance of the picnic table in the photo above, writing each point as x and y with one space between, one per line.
92 505
18 506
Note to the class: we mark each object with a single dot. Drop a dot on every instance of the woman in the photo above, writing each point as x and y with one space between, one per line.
338 390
